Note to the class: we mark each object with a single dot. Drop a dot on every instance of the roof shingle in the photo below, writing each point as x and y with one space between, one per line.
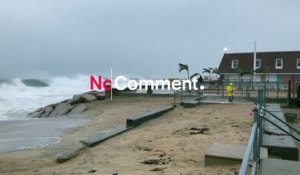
267 61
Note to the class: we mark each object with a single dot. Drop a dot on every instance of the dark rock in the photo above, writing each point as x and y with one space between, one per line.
92 171
48 110
158 169
144 148
198 130
100 97
70 106
84 98
36 114
156 161
88 97
76 99
152 161
79 108
64 101
39 110
93 92
61 109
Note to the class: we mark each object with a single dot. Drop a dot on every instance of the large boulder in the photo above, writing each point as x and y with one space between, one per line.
48 110
93 92
100 96
83 98
76 99
37 114
88 97
61 109
79 108
70 106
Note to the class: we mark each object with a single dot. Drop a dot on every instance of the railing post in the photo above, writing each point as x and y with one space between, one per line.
258 97
264 97
260 127
258 135
289 94
259 115
255 138
256 146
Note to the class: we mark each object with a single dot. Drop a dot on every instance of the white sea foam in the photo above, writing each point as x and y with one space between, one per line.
17 99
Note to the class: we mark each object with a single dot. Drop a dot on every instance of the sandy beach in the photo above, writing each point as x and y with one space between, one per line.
168 136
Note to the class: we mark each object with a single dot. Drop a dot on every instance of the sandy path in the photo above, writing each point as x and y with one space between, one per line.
166 136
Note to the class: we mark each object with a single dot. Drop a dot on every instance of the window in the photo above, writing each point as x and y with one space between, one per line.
279 63
234 64
258 63
298 63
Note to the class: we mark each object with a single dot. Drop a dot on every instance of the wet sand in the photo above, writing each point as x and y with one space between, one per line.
167 136
32 133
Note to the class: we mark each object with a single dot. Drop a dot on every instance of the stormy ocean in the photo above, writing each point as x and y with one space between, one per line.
20 96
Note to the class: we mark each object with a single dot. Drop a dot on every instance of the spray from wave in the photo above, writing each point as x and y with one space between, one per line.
20 96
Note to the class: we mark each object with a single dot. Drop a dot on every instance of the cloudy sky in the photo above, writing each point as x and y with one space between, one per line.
146 38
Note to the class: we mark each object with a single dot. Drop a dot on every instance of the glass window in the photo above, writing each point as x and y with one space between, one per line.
258 63
234 64
279 63
298 63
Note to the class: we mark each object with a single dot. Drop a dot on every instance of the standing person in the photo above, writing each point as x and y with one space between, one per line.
200 80
230 92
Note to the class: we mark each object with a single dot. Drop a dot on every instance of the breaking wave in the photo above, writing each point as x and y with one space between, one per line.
20 96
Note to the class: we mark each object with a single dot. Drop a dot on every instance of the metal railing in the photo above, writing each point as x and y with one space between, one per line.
283 122
274 90
181 95
250 147
255 140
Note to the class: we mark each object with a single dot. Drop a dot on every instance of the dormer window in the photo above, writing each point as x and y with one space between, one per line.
279 63
298 63
234 64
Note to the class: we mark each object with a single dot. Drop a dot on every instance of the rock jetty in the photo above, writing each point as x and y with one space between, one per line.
72 106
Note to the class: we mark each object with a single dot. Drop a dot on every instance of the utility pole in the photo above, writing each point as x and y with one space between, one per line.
254 58
254 64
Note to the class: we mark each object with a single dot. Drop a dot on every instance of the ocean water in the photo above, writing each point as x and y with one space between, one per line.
18 97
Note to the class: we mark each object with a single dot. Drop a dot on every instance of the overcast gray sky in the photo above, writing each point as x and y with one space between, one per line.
146 38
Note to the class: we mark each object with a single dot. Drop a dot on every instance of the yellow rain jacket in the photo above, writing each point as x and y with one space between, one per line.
230 90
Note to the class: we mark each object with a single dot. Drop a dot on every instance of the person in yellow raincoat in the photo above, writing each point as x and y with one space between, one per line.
230 92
